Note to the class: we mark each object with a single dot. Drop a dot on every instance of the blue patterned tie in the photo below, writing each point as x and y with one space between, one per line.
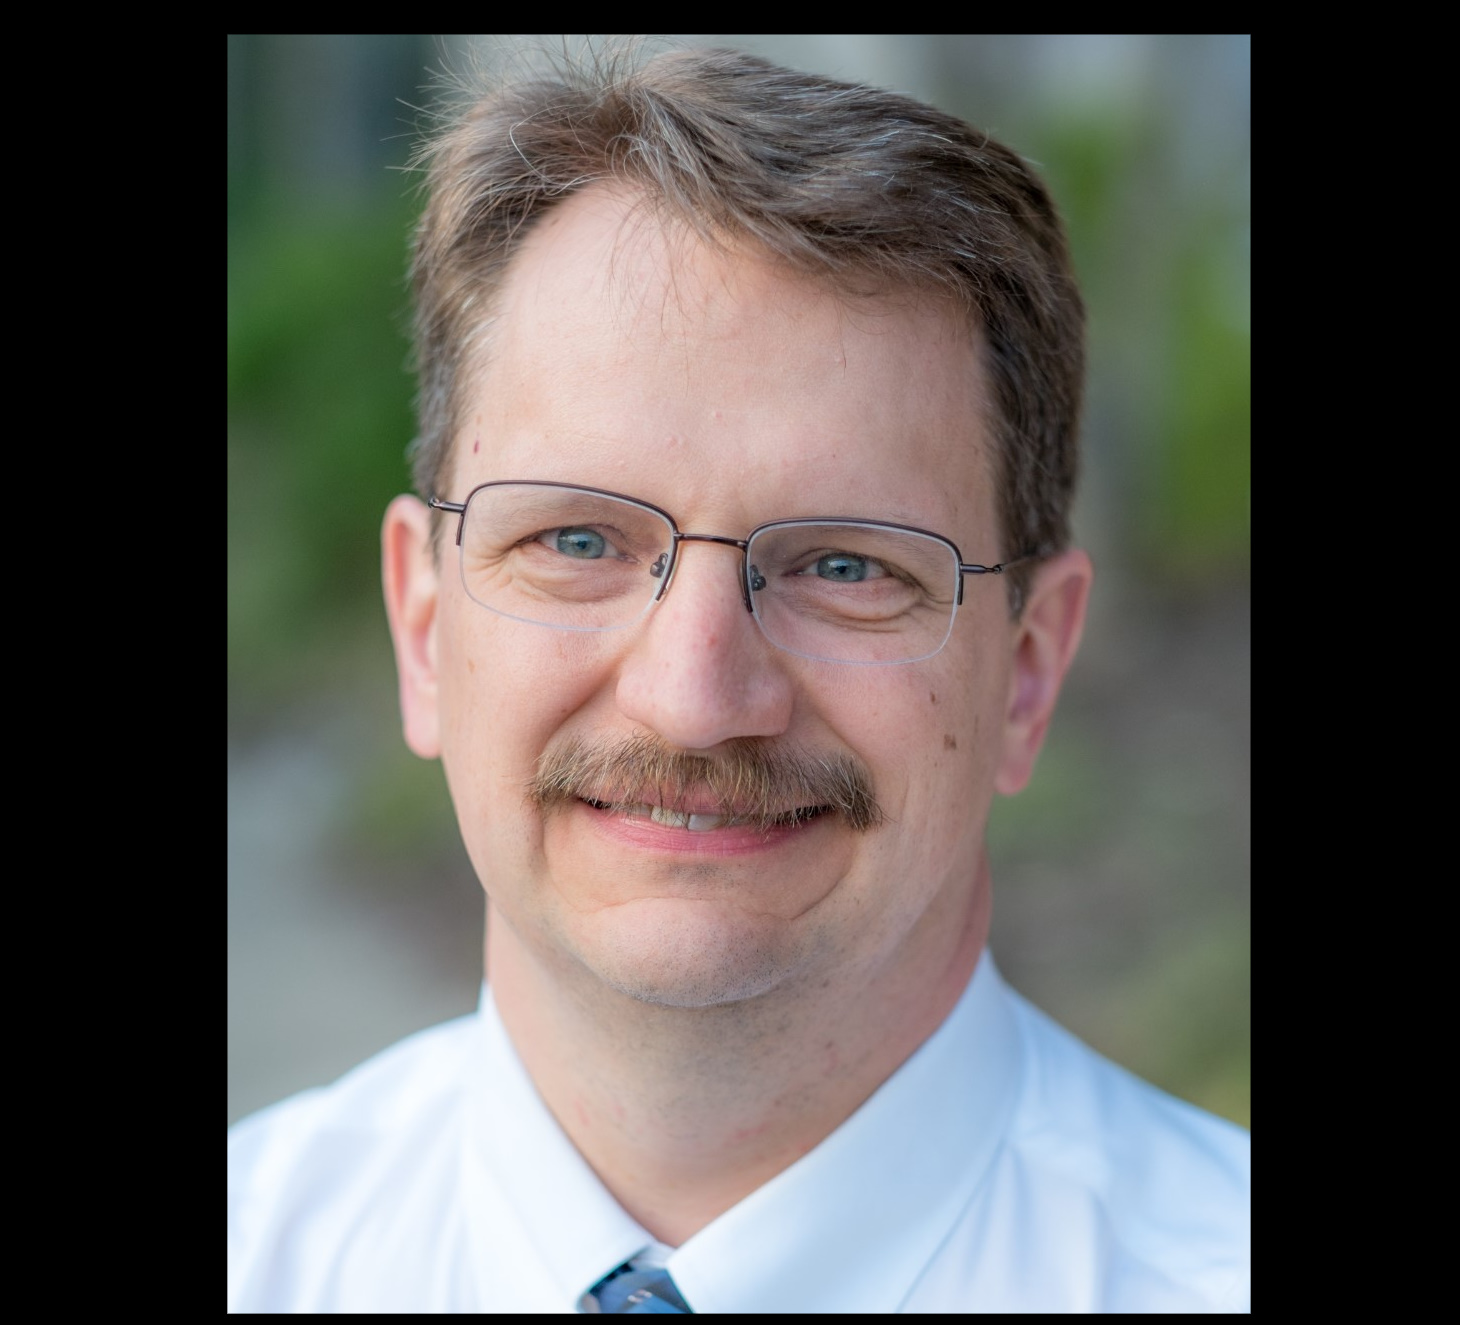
641 1291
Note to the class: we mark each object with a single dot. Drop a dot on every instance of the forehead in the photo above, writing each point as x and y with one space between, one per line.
625 351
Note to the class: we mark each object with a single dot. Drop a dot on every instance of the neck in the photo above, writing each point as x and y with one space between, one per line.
683 1112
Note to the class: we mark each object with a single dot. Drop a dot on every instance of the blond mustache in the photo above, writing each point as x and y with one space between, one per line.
751 782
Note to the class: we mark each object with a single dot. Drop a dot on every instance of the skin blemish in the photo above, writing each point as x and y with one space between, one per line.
949 743
743 1134
476 446
932 698
470 666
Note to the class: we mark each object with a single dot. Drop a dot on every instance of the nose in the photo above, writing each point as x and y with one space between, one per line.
699 671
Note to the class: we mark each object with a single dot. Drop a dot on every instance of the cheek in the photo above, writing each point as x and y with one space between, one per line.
508 688
948 754
934 740
954 772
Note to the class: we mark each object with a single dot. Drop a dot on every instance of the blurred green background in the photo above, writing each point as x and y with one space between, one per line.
1122 874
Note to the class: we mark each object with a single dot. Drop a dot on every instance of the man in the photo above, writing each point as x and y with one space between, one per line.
741 586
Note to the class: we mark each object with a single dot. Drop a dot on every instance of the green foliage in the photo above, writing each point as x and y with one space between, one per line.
319 415
1195 502
1182 1017
1065 804
1170 339
1087 163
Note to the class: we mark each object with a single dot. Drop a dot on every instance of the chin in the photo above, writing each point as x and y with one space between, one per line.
679 959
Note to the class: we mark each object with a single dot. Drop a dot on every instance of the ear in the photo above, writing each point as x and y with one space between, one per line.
412 597
1045 639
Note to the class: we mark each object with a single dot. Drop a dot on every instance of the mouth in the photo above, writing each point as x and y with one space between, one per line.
704 821
647 787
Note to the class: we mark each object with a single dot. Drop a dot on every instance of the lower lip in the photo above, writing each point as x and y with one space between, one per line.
742 840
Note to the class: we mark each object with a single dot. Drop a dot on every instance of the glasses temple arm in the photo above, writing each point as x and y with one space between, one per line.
456 508
994 570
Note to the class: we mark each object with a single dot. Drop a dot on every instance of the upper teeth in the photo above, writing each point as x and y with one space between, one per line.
696 823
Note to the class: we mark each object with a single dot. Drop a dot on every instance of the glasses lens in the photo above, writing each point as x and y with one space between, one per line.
852 592
559 556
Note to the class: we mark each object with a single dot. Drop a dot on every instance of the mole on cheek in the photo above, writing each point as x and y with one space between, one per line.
932 698
949 743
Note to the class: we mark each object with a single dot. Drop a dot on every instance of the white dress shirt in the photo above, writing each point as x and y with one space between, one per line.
1004 1167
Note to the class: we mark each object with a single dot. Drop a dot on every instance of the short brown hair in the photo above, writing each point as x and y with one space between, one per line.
855 185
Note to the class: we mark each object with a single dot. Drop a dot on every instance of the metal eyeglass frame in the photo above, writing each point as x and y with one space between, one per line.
663 568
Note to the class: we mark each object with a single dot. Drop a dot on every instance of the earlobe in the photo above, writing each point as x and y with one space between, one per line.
1045 640
412 598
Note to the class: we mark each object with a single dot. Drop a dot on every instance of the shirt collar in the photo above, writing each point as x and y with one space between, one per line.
848 1227
516 1146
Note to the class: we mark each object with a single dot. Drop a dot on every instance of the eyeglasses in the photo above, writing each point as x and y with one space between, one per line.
830 589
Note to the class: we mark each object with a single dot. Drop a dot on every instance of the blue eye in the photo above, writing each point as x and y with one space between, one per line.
584 544
844 566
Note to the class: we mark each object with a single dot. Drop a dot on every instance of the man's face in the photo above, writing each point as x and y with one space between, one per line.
730 393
